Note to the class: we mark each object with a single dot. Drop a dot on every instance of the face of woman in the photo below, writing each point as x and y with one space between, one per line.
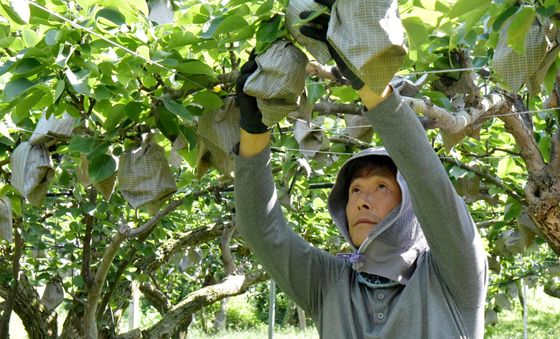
370 199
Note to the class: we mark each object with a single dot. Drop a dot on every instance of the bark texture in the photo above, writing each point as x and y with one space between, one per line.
37 320
175 319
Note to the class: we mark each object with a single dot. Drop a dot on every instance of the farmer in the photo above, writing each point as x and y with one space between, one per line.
419 269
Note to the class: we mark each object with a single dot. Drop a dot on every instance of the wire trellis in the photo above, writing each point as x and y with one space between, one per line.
321 129
153 62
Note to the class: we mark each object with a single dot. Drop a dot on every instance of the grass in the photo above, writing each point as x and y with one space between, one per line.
543 319
259 332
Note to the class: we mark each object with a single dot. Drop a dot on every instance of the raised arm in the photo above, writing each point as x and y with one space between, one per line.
456 247
300 270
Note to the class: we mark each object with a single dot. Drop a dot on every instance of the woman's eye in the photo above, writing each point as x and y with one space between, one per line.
382 186
355 190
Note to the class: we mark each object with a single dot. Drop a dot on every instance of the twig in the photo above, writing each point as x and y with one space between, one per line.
331 108
226 256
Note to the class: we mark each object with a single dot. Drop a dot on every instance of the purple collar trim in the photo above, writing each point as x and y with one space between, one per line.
352 257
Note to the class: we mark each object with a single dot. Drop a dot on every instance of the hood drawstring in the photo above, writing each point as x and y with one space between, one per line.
353 258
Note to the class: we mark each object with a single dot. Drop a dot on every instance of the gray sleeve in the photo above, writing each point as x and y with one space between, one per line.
299 269
455 245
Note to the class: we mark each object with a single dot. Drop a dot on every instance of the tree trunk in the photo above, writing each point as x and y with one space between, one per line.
37 320
220 321
73 327
301 318
543 196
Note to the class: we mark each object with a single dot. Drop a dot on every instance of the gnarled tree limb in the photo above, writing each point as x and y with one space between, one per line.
38 321
156 298
174 319
526 142
454 122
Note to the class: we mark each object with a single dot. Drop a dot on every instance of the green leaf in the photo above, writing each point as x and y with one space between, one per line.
51 37
38 16
345 93
167 122
81 144
210 101
102 93
180 39
112 15
177 109
462 7
5 132
265 8
131 9
240 9
101 167
6 66
115 115
30 38
222 25
318 203
512 210
78 281
79 81
27 65
100 147
243 34
457 172
315 91
133 110
16 87
267 33
520 25
59 89
18 11
503 16
189 134
548 8
195 67
544 147
24 105
212 28
439 99
415 31
505 166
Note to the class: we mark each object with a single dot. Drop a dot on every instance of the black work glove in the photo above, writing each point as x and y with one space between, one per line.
317 29
251 116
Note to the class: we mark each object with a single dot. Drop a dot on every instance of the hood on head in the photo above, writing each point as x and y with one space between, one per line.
392 247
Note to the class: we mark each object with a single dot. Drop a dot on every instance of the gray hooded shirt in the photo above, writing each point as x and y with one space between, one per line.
428 247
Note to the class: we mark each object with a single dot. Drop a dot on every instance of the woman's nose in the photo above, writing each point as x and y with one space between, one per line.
365 202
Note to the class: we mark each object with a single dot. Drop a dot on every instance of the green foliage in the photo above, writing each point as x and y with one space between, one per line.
240 314
125 79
